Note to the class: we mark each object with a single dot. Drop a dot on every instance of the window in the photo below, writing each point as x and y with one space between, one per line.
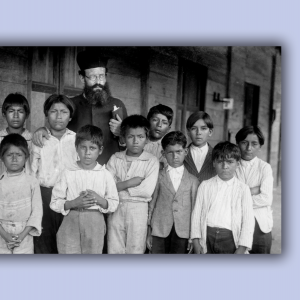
192 79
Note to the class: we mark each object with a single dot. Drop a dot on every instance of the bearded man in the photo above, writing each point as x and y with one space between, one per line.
95 105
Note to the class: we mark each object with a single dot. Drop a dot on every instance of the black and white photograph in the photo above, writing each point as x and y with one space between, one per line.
140 150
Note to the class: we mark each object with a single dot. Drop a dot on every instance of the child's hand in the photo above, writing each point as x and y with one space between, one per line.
149 239
190 247
135 181
240 250
83 201
255 190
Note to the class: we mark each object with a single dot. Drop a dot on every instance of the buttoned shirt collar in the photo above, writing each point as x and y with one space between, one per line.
228 182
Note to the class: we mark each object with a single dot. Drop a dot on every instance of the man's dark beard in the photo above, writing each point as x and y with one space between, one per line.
97 97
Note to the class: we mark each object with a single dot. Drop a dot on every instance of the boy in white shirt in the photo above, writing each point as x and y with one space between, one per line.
82 195
257 174
47 164
135 172
222 219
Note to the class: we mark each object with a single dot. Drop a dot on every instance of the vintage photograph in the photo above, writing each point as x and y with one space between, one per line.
140 150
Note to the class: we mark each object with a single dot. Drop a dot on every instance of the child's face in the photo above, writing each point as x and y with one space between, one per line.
88 153
15 117
159 126
58 117
225 168
249 147
199 133
175 155
135 140
14 159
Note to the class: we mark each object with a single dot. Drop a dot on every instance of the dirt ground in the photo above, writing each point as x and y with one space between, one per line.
276 232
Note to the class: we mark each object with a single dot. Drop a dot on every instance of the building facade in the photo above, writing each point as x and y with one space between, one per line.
185 78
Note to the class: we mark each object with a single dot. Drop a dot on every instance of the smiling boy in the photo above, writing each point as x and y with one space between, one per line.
160 118
135 172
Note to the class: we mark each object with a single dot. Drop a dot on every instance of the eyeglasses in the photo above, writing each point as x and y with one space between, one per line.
95 77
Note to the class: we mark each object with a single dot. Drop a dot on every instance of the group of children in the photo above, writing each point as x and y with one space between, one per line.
159 193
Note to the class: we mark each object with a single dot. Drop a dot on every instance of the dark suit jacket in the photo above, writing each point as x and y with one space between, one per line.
168 207
207 171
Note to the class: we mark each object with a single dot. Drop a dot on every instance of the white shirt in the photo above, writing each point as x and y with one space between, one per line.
75 180
258 173
155 148
175 175
198 155
220 211
47 163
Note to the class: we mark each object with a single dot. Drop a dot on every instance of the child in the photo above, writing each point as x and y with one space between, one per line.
15 110
84 193
198 161
170 210
222 220
47 164
160 118
20 199
257 174
135 172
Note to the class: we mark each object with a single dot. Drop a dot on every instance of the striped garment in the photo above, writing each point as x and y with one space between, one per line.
75 180
242 218
259 173
28 137
47 163
146 166
155 148
207 171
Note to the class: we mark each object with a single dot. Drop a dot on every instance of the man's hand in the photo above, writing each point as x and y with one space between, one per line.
37 137
115 125
255 190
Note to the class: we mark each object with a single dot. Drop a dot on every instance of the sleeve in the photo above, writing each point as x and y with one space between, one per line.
196 214
194 188
35 219
152 203
248 221
147 187
59 195
35 156
111 167
265 197
111 194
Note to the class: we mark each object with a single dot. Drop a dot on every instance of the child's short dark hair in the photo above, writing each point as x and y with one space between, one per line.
163 110
243 133
135 121
18 100
53 99
14 139
225 150
174 138
199 115
89 133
